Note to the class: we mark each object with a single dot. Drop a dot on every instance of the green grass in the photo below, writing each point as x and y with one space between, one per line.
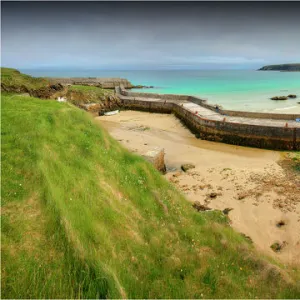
78 94
293 159
296 161
92 89
84 218
12 78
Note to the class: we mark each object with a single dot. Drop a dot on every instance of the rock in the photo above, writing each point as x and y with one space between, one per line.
56 87
186 167
247 237
280 223
92 107
279 98
46 92
292 96
157 158
177 174
277 247
213 195
227 210
199 207
242 195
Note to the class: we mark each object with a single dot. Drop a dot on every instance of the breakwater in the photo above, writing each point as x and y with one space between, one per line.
261 130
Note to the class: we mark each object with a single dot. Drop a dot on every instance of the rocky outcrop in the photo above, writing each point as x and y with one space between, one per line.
282 67
279 98
291 96
186 167
105 83
92 102
200 207
277 247
45 92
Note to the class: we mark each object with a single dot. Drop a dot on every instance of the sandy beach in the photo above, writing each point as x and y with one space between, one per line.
264 198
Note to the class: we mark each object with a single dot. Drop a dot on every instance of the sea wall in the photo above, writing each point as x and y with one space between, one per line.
124 92
258 115
268 137
213 107
149 106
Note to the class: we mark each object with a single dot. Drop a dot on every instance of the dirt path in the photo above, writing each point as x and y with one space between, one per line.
265 201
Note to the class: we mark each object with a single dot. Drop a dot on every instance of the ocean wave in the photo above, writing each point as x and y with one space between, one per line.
285 108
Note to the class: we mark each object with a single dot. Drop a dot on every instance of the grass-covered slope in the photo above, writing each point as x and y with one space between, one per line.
13 81
84 94
84 218
12 78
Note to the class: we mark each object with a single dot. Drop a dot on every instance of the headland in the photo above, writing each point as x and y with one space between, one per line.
281 67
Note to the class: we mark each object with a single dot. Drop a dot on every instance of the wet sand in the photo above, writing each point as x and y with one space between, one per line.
248 180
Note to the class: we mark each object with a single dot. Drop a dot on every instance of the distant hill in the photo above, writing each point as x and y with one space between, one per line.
282 67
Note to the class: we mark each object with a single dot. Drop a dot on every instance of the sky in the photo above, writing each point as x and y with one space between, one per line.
149 35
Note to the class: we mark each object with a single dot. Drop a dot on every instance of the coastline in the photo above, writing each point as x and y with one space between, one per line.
236 89
248 180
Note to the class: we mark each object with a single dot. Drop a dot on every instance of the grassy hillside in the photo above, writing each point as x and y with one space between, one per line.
84 218
79 94
16 82
14 78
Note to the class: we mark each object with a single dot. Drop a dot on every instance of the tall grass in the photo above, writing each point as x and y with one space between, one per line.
84 218
13 78
78 94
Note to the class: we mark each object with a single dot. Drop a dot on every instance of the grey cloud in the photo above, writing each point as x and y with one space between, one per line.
142 35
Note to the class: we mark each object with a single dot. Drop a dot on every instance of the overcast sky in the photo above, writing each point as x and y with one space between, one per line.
149 35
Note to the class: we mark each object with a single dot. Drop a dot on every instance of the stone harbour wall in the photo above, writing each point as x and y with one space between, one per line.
204 103
278 138
268 137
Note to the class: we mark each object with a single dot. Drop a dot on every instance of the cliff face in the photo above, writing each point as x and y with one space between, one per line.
282 67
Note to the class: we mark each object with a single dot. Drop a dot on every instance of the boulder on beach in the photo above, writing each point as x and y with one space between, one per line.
277 247
157 158
186 167
279 98
199 207
292 96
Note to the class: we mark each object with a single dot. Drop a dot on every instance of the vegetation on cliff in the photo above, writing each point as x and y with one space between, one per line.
13 78
81 94
14 81
84 218
282 67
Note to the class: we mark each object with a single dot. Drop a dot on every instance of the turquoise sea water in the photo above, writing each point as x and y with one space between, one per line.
233 89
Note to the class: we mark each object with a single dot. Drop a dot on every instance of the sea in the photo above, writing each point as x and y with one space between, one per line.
245 90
